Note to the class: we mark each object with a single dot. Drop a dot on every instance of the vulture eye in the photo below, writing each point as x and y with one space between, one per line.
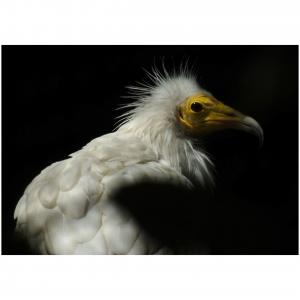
196 107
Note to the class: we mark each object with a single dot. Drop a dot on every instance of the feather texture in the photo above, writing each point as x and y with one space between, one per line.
70 209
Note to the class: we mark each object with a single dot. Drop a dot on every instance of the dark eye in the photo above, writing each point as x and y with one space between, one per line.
196 107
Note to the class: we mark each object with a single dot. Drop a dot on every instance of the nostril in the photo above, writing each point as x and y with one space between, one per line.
230 114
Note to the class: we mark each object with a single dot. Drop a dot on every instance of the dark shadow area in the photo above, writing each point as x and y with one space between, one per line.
179 219
20 245
55 99
199 221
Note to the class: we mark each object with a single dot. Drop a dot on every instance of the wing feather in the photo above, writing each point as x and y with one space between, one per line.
59 208
70 209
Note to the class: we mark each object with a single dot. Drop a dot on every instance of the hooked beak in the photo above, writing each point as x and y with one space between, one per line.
224 117
202 115
249 125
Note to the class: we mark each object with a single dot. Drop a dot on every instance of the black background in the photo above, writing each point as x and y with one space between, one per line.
55 99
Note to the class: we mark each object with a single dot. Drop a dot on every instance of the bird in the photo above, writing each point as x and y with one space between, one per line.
74 206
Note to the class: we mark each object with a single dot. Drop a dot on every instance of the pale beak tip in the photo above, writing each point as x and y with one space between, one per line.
253 127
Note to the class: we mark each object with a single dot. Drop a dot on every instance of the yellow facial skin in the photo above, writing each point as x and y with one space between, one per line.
201 114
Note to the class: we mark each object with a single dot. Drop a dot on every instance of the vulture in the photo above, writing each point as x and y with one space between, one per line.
98 200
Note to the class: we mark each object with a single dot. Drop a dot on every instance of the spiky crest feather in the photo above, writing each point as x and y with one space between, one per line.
152 117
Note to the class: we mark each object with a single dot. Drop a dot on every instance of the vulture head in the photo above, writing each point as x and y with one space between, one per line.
175 115
202 114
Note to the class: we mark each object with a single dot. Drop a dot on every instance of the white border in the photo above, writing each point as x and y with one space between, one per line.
149 277
151 22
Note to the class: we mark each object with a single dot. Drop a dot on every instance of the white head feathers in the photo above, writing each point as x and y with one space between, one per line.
152 117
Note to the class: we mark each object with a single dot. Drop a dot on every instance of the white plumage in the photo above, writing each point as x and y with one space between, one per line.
69 208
